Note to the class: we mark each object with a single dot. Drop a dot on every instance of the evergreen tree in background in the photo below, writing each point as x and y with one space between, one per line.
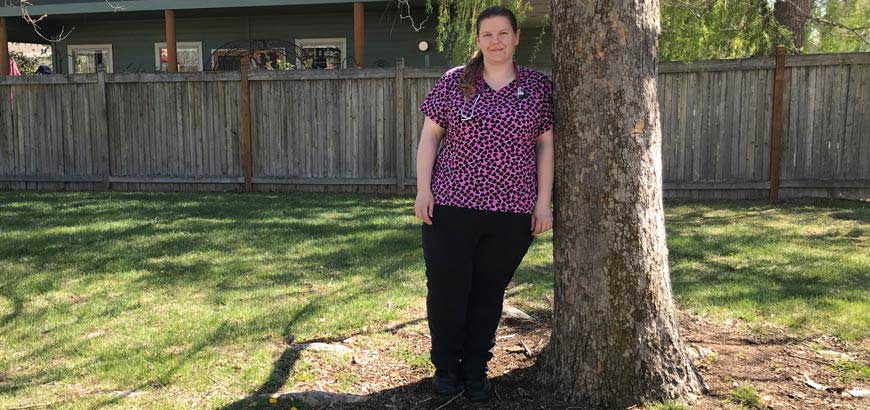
702 29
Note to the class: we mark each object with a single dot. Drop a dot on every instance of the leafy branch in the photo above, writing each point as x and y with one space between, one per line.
856 31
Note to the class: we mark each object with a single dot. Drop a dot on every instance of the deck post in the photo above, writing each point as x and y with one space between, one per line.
4 48
171 44
359 36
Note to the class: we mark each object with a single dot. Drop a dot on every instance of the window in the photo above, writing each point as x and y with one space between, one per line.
86 58
189 56
321 53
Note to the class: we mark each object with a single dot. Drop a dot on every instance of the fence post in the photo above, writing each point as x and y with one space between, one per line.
103 115
400 124
245 107
776 125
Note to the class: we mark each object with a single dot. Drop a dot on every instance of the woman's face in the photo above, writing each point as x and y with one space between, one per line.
497 39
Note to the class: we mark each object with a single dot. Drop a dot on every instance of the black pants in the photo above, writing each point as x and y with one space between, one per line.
471 256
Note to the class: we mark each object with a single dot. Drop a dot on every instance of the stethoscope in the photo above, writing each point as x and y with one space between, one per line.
463 117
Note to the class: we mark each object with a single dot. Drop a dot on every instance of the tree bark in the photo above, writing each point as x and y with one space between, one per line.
793 15
615 338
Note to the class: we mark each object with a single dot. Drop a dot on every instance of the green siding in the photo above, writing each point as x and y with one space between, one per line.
133 41
544 55
132 35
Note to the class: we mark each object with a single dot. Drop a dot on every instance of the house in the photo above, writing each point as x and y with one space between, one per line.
131 36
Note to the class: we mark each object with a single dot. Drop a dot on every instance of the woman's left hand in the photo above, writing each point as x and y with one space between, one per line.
542 219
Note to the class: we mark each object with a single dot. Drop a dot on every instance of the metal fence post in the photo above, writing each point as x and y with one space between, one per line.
106 151
247 156
776 125
400 125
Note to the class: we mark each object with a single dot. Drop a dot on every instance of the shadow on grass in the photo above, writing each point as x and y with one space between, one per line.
178 240
519 389
283 367
143 233
721 260
84 237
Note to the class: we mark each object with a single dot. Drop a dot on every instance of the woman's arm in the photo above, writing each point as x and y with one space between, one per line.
542 218
430 138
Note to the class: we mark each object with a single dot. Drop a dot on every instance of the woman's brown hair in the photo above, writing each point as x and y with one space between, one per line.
474 65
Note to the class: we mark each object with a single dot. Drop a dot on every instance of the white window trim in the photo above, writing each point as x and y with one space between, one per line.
71 49
185 44
341 42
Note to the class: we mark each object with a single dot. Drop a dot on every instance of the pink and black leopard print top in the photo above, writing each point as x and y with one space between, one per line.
488 161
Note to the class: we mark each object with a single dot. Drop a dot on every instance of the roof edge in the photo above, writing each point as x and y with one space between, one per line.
152 5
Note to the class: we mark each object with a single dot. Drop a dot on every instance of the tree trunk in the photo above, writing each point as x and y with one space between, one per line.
615 338
793 15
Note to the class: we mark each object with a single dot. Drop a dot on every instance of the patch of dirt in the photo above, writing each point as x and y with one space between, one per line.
775 364
393 376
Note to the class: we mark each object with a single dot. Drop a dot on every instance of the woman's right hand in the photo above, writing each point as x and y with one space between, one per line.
424 205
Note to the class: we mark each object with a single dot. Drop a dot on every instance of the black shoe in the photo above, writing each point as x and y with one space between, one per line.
478 389
447 384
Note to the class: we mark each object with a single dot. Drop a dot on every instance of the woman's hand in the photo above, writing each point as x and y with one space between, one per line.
423 206
542 219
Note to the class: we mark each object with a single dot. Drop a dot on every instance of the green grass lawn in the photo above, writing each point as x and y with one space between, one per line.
193 294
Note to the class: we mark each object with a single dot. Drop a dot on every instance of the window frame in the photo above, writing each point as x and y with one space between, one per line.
179 44
340 42
106 48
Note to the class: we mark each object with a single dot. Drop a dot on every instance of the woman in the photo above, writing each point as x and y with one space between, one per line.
483 199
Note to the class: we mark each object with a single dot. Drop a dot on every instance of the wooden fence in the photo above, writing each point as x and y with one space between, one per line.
357 129
717 116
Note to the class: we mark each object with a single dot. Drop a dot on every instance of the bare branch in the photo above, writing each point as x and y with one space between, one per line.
414 26
23 4
34 22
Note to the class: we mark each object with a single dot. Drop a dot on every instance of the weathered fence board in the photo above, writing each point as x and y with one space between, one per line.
340 128
323 128
172 129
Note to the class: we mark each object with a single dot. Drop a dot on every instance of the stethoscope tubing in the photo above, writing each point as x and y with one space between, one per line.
463 117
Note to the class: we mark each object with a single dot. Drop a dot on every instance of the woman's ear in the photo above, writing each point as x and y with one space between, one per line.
517 40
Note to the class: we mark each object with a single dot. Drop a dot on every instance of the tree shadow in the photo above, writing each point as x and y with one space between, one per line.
518 389
62 230
282 369
16 302
53 230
